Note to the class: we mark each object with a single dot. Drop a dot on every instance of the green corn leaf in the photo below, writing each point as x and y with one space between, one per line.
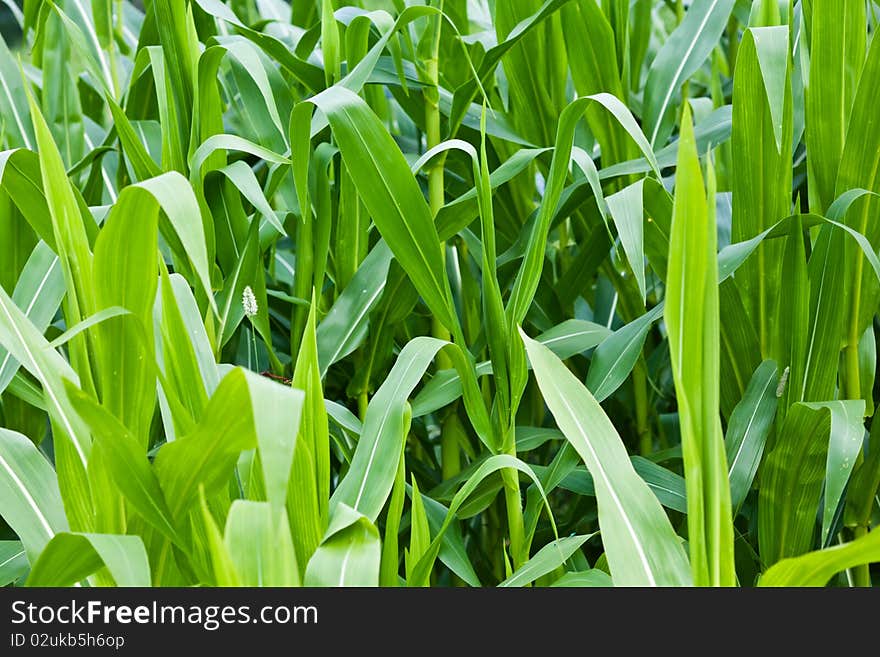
32 502
20 170
276 411
223 568
816 568
126 276
185 380
390 566
585 578
793 315
453 552
791 483
593 52
666 485
844 444
692 321
371 476
259 545
245 411
350 553
503 462
69 558
739 345
627 210
309 488
825 271
346 322
38 293
837 54
761 181
616 356
306 73
547 559
70 236
386 186
94 320
565 340
126 462
175 197
206 455
465 94
859 163
71 438
529 273
419 536
13 101
13 562
641 545
533 69
681 55
573 336
229 299
60 101
747 431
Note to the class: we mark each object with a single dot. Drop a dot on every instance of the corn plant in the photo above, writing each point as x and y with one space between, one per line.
518 293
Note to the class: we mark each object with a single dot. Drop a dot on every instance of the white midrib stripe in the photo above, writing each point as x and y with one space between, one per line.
229 226
746 433
378 434
284 264
678 71
357 321
12 558
27 142
30 500
94 39
628 344
31 305
815 323
457 379
643 557
567 336
47 388
616 361
128 34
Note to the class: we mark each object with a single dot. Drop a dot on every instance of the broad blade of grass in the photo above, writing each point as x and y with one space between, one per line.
791 482
309 490
761 175
38 293
69 558
32 502
72 441
816 568
627 211
389 192
747 431
837 54
681 55
370 478
349 554
13 562
547 559
693 323
259 545
641 545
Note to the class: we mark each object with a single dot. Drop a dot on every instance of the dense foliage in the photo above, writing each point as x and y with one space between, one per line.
359 292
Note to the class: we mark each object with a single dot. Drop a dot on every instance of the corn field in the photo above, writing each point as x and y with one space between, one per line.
578 293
